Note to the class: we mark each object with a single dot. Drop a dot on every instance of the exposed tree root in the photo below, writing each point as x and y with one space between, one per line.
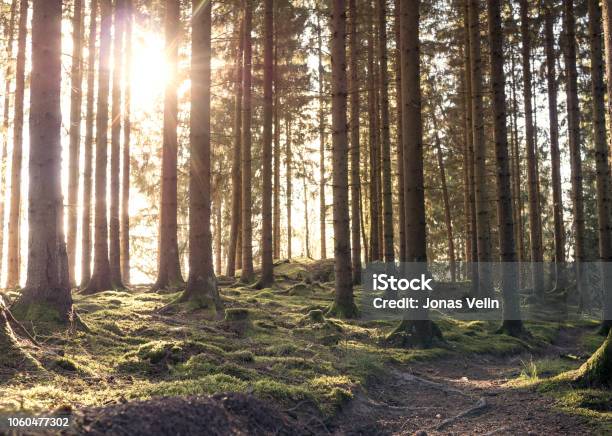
597 371
476 409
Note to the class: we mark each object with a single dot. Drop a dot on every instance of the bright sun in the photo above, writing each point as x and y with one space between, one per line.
149 69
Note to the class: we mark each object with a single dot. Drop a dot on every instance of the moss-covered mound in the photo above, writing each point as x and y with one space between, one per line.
13 355
597 371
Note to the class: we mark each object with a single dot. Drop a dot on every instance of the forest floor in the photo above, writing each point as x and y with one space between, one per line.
296 371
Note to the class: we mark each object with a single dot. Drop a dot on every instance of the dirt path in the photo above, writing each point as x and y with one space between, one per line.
462 395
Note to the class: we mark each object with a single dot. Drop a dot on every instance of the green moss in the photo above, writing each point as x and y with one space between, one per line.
242 356
66 364
236 314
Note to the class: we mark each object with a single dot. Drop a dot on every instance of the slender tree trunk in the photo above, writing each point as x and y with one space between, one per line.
602 167
9 34
573 129
88 150
14 221
306 219
76 76
373 142
277 154
115 167
555 158
218 227
267 268
344 304
202 283
447 212
355 146
532 174
47 276
246 202
512 323
236 152
607 20
483 230
322 207
127 130
400 151
466 182
289 187
100 278
169 267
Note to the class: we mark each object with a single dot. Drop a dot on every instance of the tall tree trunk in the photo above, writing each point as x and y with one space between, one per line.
447 212
236 152
400 152
127 130
115 168
246 202
532 173
607 20
322 206
373 142
47 276
602 174
218 227
421 329
100 278
355 146
169 267
76 96
9 32
88 149
344 304
512 323
555 159
277 154
289 186
267 269
573 129
202 283
483 230
14 228
387 194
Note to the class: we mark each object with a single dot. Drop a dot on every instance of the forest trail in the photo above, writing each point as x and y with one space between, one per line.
464 395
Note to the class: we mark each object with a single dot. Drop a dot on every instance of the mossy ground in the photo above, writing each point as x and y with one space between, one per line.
286 349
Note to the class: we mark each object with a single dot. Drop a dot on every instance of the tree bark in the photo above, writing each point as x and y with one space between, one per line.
602 167
169 267
100 278
400 152
277 154
512 323
483 230
202 283
288 190
373 143
115 164
532 173
267 269
236 152
355 145
14 219
246 200
127 130
344 305
322 206
76 97
607 20
47 291
9 32
88 150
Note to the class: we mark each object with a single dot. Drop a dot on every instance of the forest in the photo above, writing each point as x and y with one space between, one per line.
198 199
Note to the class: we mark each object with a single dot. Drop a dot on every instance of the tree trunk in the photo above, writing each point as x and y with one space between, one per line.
355 146
127 130
9 32
236 152
573 129
267 269
483 230
322 207
218 227
607 20
14 221
169 267
400 153
288 190
512 323
202 283
532 173
47 292
246 201
115 167
602 167
88 150
76 77
387 194
344 305
373 143
551 76
100 279
277 155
